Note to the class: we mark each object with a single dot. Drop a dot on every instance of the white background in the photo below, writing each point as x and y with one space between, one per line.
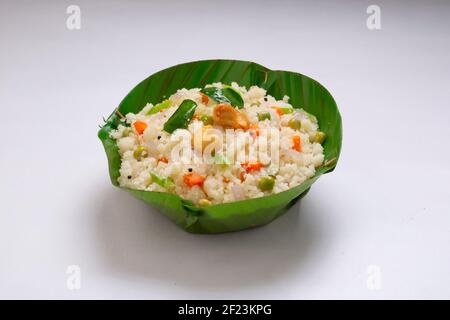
386 205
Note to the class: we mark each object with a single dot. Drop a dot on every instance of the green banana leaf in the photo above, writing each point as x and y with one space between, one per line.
303 91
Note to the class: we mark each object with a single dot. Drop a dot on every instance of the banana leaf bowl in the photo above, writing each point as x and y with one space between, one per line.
303 91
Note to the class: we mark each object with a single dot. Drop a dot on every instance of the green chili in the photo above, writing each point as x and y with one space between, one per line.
160 106
181 118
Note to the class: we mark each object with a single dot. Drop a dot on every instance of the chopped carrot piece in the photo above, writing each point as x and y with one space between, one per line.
226 180
242 176
140 126
297 141
163 159
193 179
205 98
251 166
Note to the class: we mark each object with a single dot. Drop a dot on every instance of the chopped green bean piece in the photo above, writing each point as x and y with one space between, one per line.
140 153
264 116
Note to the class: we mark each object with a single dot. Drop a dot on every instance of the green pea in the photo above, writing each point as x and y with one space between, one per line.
320 137
264 116
266 183
140 153
207 120
204 202
295 124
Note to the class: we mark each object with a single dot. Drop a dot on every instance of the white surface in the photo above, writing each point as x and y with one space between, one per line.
387 204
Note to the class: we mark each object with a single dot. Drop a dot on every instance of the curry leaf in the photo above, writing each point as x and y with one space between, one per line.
226 94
